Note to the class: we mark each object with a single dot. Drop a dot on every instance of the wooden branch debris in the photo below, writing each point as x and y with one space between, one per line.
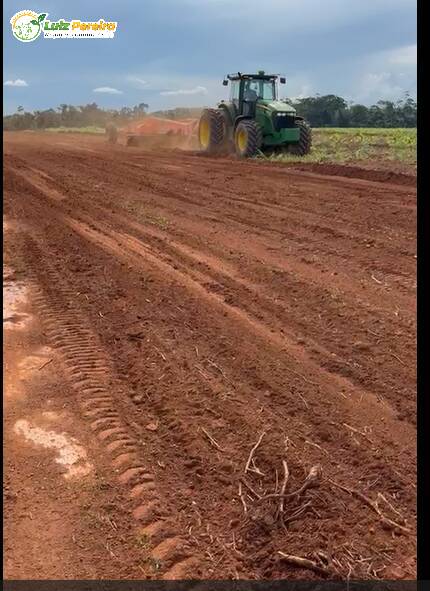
211 439
284 485
245 508
305 563
252 452
312 479
45 364
374 506
355 430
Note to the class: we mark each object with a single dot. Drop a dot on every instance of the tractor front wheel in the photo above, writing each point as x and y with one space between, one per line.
248 138
211 131
303 146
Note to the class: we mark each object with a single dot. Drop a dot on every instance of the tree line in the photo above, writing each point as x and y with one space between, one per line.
90 115
334 111
321 111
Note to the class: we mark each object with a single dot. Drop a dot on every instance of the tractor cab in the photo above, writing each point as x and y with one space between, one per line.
247 89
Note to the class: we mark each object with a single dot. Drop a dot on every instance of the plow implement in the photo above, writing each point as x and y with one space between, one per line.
155 132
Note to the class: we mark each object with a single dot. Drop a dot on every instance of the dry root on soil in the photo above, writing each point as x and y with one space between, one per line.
386 521
306 563
284 507
293 500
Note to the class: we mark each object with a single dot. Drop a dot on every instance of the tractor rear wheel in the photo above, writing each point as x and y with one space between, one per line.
248 138
303 146
227 144
211 131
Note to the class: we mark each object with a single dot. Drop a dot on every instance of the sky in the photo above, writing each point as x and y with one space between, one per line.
172 53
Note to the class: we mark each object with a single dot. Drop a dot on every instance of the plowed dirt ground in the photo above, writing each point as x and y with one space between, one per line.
194 307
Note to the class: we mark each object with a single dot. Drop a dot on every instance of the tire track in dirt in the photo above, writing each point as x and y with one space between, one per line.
330 361
174 425
218 284
82 358
309 238
397 301
203 280
243 385
226 280
326 358
90 372
398 278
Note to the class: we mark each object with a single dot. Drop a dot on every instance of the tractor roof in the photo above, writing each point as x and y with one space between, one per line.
259 75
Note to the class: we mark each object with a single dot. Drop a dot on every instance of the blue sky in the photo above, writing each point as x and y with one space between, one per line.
172 53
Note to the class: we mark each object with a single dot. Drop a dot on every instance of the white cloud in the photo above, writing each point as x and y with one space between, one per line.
385 75
403 56
137 81
195 90
17 82
296 89
107 90
379 85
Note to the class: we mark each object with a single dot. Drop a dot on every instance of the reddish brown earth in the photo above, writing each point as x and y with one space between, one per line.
372 171
192 305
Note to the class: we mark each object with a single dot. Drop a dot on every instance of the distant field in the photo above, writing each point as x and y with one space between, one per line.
376 147
357 145
89 129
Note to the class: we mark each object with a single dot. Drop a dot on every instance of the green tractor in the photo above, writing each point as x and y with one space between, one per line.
253 120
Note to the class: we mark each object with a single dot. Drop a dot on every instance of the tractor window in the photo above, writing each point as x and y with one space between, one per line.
263 89
269 90
234 90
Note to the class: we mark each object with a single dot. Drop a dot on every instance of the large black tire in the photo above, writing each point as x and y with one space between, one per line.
211 131
248 137
227 144
304 144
